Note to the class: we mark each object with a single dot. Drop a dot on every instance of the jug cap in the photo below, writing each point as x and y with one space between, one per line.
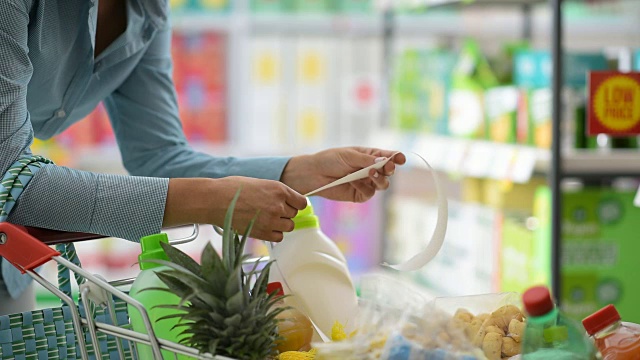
537 301
601 319
306 218
275 287
152 250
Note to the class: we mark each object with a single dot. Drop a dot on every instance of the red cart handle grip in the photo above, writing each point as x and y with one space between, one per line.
22 249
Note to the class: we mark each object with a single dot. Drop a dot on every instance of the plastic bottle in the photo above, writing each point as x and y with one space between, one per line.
147 279
294 327
548 333
314 272
615 339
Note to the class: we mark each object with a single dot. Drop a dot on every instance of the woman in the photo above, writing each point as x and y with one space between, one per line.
59 59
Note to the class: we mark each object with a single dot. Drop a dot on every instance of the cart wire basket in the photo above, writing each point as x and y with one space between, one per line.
97 326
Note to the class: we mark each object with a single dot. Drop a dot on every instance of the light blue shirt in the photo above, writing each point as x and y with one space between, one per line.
49 80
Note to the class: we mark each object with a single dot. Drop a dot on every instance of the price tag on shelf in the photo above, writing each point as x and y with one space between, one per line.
503 158
454 157
523 166
479 159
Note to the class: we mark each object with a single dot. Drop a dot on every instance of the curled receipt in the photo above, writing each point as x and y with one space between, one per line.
437 238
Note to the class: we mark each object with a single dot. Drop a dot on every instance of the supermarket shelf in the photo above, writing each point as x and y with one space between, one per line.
444 3
417 25
202 21
613 163
347 24
472 158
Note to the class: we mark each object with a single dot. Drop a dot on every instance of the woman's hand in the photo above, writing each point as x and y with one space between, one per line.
206 201
309 172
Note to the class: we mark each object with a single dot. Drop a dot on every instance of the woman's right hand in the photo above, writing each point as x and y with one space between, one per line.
207 200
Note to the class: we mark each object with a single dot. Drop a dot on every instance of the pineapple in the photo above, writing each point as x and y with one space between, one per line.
221 312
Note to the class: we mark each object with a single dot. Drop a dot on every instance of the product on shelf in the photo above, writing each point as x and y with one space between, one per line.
421 90
540 121
356 6
314 6
548 333
599 251
501 109
472 75
270 6
199 5
314 68
199 75
616 340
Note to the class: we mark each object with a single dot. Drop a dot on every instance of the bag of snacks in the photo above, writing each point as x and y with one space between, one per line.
469 327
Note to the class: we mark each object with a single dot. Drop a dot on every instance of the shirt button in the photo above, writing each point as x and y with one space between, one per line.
61 113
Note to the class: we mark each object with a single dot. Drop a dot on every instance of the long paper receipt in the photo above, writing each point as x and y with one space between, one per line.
422 258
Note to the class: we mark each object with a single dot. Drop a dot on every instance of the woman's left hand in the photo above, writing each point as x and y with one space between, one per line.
306 173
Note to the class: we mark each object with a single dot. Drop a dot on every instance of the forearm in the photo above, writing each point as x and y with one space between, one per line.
180 161
186 202
70 200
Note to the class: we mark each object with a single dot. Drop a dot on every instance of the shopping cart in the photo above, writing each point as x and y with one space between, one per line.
96 327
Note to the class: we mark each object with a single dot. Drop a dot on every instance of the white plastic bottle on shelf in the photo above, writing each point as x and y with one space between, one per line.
314 274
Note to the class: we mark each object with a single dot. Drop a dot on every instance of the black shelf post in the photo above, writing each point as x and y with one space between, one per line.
555 173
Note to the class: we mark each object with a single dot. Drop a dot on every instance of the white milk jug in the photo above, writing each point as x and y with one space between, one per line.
314 273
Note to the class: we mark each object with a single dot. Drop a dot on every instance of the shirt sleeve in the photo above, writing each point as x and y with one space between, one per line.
60 198
144 114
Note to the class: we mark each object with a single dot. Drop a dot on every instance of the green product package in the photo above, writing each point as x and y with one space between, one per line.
600 252
145 289
314 6
406 114
501 111
540 120
220 6
435 86
524 253
472 75
421 89
357 6
270 6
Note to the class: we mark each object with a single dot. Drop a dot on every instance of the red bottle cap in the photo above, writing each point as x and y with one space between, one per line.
537 301
601 319
275 287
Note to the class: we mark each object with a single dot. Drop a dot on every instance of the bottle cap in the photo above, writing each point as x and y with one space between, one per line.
306 218
275 287
152 250
601 319
537 301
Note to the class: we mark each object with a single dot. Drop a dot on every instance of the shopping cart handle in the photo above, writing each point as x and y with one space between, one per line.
22 249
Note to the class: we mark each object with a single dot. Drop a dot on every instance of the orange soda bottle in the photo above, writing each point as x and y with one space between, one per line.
615 339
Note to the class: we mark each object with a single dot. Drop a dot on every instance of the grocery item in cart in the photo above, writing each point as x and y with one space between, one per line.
314 272
145 289
225 308
614 339
294 327
549 334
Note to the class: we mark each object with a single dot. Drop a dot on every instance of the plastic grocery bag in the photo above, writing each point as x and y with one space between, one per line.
469 327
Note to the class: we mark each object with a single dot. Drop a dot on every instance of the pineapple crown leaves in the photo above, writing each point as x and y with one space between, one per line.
223 309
